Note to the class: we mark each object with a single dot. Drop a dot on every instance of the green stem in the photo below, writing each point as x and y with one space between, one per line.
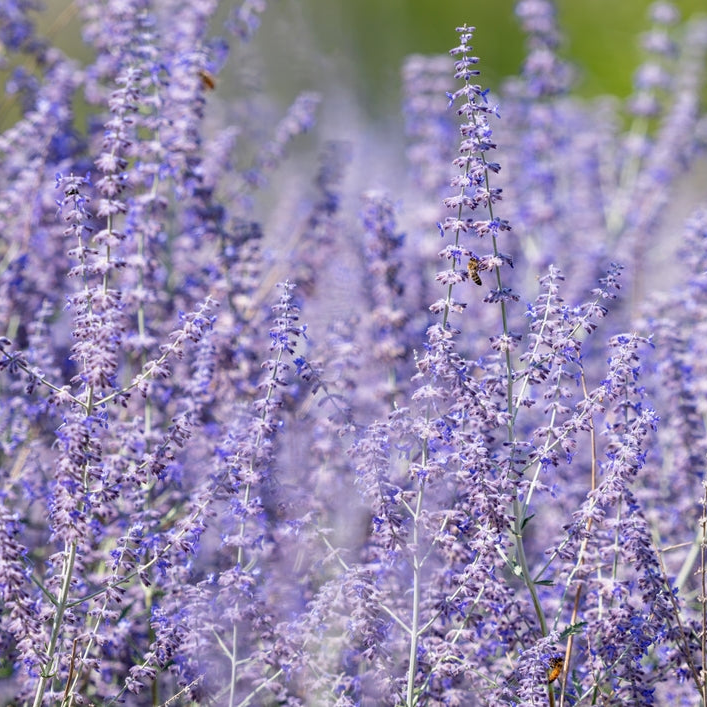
416 589
61 604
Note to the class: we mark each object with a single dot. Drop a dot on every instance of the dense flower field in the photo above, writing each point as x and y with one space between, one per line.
440 445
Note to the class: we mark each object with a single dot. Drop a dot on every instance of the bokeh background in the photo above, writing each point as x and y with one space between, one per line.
360 44
351 52
363 42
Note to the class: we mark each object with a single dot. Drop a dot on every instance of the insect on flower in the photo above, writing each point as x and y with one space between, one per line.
555 668
473 268
208 80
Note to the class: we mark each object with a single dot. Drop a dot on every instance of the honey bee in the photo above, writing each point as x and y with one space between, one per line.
208 80
555 668
473 268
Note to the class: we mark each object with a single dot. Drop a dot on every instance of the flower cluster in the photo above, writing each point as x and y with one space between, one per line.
258 448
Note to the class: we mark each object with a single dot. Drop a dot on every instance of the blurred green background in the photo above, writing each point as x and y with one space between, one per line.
363 42
352 51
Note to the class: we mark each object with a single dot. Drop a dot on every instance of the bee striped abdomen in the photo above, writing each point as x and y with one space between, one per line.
473 268
555 668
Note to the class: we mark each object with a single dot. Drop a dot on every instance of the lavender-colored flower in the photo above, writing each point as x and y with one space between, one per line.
428 127
494 499
245 19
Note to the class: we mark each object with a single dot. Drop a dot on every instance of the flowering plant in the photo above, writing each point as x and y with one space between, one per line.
248 465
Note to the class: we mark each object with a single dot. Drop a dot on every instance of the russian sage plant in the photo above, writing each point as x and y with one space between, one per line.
330 444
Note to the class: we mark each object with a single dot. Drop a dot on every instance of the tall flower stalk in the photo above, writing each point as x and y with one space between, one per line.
495 499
